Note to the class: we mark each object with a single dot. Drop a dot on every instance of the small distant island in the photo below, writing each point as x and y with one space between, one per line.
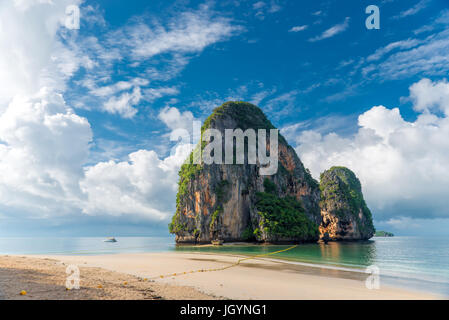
383 234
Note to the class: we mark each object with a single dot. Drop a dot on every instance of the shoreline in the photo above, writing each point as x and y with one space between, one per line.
394 279
255 278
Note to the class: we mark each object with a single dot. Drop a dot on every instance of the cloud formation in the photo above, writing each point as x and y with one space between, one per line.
298 28
264 8
40 60
428 56
154 50
144 186
403 165
332 31
190 32
422 4
43 146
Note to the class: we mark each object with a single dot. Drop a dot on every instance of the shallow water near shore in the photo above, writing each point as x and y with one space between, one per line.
413 262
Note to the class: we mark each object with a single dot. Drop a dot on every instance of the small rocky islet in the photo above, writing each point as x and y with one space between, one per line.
234 202
385 234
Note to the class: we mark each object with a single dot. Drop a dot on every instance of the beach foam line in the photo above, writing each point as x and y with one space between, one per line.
315 265
391 274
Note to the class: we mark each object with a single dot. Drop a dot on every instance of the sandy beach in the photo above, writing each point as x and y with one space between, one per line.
138 276
45 279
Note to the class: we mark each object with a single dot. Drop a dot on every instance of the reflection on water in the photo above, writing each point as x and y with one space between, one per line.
418 262
350 254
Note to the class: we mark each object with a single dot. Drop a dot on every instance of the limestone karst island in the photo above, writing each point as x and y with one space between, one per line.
224 150
234 203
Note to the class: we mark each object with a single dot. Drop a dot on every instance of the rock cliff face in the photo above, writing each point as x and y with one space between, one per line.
345 215
220 201
234 202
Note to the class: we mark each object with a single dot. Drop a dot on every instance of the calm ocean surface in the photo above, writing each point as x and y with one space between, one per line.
417 262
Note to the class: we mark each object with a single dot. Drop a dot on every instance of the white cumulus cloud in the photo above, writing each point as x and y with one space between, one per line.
124 104
144 186
43 145
31 55
403 165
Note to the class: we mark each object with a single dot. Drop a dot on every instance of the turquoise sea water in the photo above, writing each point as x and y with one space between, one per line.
418 262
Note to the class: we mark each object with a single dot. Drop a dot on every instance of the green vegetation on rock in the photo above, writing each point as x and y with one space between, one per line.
214 218
220 192
269 186
310 180
383 234
341 194
284 217
247 116
175 226
187 173
248 234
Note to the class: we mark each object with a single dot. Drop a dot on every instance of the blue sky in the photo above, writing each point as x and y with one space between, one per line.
103 100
